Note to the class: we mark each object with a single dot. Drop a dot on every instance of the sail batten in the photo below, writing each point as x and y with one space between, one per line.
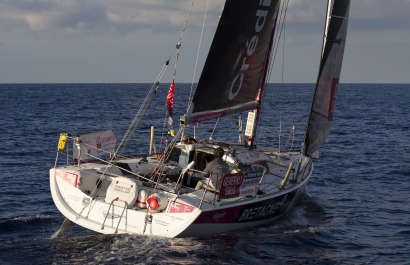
321 115
234 69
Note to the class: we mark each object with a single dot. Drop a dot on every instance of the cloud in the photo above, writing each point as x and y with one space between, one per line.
63 32
130 15
372 15
377 15
70 16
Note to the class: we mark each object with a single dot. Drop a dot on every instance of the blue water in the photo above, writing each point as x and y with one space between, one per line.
356 209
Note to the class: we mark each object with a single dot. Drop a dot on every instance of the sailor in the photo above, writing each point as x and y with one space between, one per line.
216 169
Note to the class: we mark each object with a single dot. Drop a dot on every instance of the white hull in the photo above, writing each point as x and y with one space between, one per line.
192 213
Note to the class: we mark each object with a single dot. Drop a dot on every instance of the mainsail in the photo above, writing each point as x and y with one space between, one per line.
234 69
321 115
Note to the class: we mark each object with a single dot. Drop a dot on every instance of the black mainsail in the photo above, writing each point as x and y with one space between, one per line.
234 69
321 115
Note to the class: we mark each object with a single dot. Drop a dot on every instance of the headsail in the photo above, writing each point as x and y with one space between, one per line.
234 69
321 115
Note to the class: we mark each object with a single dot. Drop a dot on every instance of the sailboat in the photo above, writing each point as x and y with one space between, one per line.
156 195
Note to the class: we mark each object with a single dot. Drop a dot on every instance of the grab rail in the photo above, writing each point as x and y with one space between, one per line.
122 214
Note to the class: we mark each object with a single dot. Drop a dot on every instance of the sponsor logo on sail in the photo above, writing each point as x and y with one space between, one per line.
251 45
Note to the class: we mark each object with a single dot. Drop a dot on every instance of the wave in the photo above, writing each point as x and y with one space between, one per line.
25 222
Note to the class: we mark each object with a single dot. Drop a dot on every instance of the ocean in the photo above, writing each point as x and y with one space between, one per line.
356 208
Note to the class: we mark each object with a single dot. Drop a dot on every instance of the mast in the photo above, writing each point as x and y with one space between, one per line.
251 137
328 15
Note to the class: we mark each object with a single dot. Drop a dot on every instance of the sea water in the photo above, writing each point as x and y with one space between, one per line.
355 210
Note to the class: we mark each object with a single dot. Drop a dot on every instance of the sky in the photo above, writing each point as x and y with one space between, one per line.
128 41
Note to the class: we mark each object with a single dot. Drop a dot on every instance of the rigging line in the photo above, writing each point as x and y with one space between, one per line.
197 56
182 32
131 130
186 20
282 77
283 48
177 59
163 129
159 169
277 39
143 108
167 115
283 30
212 133
178 45
282 81
138 117
282 16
